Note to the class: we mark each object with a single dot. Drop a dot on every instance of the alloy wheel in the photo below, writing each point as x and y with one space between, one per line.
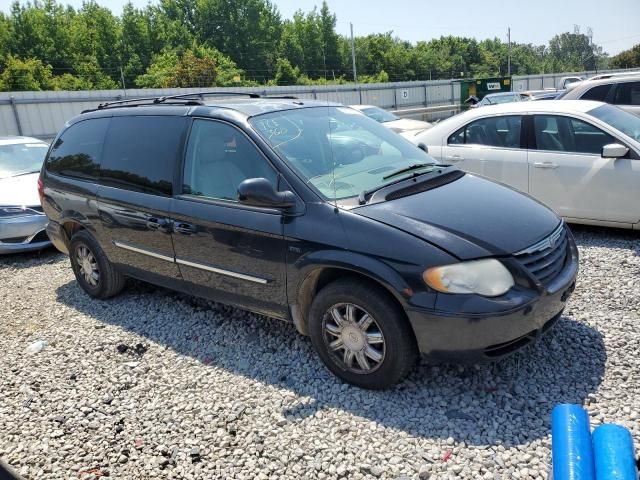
353 338
88 266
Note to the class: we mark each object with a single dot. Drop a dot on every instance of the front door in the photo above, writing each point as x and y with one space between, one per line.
490 147
568 173
227 251
134 198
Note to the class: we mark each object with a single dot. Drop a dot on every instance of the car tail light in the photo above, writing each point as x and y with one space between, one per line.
41 191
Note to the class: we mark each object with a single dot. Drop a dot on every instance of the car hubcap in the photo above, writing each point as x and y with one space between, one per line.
353 338
88 265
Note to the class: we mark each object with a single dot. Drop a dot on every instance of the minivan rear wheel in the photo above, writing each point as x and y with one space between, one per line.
361 335
93 270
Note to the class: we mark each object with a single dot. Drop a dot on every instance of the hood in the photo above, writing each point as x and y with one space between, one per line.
20 191
469 218
404 124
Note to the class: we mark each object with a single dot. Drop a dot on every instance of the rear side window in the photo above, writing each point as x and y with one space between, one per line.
493 131
564 134
140 153
627 94
77 152
598 93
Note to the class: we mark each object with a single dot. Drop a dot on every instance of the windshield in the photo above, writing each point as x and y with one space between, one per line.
337 150
495 99
379 114
626 122
21 158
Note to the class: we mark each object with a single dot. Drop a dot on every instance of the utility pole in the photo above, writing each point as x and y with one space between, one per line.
124 88
353 54
509 54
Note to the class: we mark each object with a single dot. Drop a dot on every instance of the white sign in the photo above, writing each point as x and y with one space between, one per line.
493 85
405 94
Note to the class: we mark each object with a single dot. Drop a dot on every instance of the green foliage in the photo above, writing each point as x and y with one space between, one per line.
285 73
627 59
202 43
197 67
30 74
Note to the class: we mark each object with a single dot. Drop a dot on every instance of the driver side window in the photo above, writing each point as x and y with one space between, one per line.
219 158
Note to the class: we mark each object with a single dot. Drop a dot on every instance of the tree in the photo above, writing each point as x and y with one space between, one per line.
285 73
22 75
197 67
573 52
627 59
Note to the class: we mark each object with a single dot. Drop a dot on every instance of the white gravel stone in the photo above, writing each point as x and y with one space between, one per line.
202 390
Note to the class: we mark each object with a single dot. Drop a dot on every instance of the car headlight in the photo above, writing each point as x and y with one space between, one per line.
484 277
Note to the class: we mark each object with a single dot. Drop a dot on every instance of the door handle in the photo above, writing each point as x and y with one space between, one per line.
454 158
184 228
161 224
545 165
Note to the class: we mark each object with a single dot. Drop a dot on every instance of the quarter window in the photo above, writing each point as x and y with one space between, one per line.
140 153
565 134
598 93
219 158
627 94
493 131
77 152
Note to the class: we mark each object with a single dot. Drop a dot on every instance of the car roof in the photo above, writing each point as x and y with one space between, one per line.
551 106
181 106
18 140
631 77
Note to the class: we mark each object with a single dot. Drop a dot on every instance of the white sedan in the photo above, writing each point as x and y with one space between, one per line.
581 158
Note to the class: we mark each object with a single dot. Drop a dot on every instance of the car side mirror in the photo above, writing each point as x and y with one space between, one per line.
259 192
614 150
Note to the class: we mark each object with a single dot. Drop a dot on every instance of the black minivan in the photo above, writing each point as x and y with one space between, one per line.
313 213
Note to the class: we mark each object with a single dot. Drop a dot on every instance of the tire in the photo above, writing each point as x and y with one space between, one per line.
387 344
103 281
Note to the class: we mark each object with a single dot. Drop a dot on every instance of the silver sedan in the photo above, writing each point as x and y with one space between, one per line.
22 221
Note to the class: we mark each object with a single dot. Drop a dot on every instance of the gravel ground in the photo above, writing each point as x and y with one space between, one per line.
153 384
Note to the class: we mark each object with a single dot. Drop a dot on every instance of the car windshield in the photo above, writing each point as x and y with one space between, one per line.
21 158
338 151
626 122
379 114
495 99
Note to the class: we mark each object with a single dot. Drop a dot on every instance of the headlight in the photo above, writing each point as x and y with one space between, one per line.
485 277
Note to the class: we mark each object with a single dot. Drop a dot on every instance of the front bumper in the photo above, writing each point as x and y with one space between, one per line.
480 337
23 234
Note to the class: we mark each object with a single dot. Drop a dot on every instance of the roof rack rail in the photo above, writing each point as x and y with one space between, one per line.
133 102
207 94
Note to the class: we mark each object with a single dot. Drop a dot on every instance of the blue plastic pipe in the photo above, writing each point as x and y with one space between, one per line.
571 447
613 453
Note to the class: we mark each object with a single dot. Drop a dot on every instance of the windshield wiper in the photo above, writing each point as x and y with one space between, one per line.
410 168
362 198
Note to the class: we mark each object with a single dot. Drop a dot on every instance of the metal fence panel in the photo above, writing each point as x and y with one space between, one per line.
42 114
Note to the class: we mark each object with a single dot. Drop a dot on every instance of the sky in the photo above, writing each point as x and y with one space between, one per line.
615 23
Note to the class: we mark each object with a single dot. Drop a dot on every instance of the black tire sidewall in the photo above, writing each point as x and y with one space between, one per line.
400 349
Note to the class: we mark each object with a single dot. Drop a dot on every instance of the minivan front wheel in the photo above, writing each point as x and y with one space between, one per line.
361 335
93 271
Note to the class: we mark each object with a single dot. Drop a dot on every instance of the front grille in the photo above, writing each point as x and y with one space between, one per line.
546 258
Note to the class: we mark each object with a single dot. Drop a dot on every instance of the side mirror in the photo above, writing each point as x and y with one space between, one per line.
423 147
259 192
614 150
